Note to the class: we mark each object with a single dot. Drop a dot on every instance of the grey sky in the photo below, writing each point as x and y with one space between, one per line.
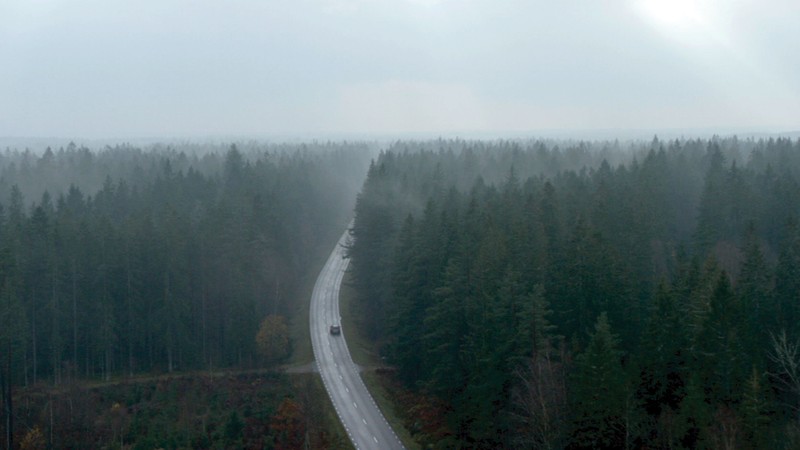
110 68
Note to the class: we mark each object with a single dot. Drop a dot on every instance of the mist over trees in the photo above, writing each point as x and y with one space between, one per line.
530 294
587 295
126 260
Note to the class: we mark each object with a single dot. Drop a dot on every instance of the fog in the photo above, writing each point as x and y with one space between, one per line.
342 68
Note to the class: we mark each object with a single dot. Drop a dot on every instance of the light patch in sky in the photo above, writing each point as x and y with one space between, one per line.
426 3
678 14
692 23
105 68
713 37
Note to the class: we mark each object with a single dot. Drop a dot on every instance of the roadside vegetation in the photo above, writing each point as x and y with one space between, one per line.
373 367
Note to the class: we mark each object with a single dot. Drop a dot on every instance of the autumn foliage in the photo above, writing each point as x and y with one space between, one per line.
273 338
288 425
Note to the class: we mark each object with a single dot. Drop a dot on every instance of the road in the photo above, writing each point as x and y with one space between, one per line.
358 412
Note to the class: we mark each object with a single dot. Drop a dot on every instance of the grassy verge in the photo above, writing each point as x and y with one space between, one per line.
364 354
388 408
361 349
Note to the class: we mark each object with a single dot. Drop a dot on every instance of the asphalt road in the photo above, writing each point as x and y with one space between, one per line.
357 410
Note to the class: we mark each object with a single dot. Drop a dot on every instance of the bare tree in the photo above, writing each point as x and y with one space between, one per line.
540 403
786 357
725 430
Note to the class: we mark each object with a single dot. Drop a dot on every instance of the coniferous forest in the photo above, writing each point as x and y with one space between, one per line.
400 225
524 294
126 261
587 295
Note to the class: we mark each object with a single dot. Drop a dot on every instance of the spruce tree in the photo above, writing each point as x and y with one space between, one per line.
787 282
599 391
663 355
754 288
720 355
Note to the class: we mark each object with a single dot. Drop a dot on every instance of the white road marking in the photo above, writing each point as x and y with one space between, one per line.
324 302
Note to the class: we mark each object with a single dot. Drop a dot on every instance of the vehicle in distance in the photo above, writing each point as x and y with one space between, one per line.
336 329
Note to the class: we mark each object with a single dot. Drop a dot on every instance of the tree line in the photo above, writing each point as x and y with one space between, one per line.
588 295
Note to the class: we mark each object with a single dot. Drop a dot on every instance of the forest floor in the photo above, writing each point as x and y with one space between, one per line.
244 409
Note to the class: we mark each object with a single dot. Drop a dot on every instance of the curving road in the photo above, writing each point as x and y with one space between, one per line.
357 410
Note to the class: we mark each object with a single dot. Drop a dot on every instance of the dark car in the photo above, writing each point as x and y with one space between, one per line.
336 329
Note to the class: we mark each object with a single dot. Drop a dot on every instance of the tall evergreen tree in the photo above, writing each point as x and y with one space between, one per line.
12 340
663 355
599 392
713 201
787 282
720 351
754 288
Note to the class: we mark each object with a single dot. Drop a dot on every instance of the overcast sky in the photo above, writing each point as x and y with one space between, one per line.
110 68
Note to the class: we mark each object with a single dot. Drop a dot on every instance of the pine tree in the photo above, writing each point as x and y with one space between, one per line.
720 355
755 411
371 252
542 332
713 201
663 355
594 282
13 332
787 282
754 287
694 416
410 301
599 391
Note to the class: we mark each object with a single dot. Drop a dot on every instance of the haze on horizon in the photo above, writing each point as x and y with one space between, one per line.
104 69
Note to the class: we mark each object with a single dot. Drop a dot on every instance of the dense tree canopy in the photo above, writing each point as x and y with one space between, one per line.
542 294
128 260
655 275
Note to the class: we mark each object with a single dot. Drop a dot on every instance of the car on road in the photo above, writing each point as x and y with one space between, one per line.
336 329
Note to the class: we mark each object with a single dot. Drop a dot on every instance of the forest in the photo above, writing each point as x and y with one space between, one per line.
540 294
523 293
126 261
